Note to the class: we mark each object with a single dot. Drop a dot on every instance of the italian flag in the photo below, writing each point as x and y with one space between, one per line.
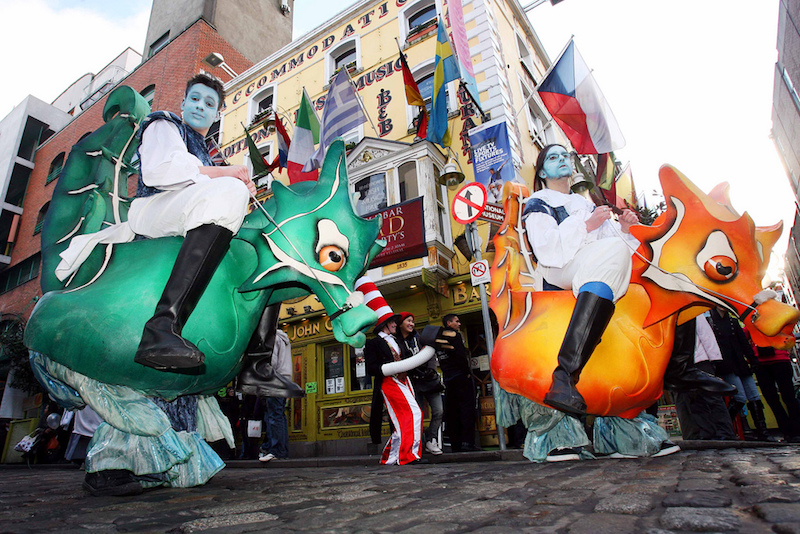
306 135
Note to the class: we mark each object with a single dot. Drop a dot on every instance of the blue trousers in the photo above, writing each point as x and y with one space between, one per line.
276 436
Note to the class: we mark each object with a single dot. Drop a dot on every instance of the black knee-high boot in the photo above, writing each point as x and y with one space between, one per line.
589 320
258 377
760 421
162 346
682 375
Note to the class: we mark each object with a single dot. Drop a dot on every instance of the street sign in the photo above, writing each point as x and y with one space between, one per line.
493 213
479 273
468 203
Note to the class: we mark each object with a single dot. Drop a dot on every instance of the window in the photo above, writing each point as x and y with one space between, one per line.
418 21
149 93
84 136
158 44
55 168
346 55
213 134
261 105
266 153
407 179
540 129
20 273
423 75
40 218
370 194
441 207
525 58
12 331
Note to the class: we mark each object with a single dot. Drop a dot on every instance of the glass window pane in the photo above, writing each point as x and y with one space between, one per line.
359 379
334 369
407 176
421 17
371 194
345 57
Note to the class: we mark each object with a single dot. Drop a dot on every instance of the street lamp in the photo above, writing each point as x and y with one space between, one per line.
215 59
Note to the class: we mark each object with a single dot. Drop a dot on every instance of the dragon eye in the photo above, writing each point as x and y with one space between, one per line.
332 258
720 268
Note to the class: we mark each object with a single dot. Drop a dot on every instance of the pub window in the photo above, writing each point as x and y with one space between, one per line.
55 168
346 55
262 104
407 179
370 194
418 21
441 207
345 370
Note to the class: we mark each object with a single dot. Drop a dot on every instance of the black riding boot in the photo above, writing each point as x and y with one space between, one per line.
162 346
757 411
258 377
589 320
682 375
735 408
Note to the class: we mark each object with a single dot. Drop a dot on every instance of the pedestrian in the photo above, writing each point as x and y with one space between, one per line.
460 396
276 434
428 386
774 374
702 415
737 357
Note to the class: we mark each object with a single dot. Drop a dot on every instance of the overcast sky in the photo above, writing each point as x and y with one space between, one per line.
690 81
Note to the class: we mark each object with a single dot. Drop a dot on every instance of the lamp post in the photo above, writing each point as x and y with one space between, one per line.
215 59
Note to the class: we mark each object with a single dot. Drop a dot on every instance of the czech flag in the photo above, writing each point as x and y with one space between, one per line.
571 95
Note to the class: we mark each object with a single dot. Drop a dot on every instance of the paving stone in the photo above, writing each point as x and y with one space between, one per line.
697 499
624 504
778 512
604 524
700 519
760 480
787 528
696 484
227 521
759 494
564 497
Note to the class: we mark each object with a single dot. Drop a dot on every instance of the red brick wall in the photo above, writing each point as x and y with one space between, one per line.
168 70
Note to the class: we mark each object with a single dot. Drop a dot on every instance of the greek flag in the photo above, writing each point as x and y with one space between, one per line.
342 113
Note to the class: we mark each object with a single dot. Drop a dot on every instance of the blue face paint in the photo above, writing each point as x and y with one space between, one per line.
557 163
200 107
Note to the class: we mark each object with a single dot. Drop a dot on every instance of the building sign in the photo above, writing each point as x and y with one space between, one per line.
493 213
403 228
491 157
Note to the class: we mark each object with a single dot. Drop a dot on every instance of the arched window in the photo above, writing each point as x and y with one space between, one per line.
346 54
55 168
40 218
84 136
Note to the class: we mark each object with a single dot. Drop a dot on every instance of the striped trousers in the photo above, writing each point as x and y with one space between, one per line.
405 443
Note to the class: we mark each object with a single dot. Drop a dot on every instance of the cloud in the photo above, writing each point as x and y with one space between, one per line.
47 49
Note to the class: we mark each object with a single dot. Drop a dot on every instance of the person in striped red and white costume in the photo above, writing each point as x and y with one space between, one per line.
392 385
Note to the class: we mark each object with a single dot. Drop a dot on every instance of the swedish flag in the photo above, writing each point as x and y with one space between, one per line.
445 70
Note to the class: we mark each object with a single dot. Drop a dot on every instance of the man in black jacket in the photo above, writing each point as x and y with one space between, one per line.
460 398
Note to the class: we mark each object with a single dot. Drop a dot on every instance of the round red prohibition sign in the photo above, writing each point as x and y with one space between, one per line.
478 269
469 203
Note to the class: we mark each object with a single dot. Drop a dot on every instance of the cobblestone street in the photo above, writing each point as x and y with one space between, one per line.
729 490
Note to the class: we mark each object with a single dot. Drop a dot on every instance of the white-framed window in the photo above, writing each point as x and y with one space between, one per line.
417 20
423 75
346 54
261 102
441 208
407 181
525 58
539 126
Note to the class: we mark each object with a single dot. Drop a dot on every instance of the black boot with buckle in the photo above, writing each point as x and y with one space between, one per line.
162 346
682 375
258 377
589 320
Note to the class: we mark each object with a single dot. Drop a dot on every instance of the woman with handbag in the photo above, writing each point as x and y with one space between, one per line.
425 379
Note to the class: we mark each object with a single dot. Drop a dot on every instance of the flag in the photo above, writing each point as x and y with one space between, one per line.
461 43
306 135
622 193
606 170
260 166
284 142
445 70
414 98
571 95
342 113
215 154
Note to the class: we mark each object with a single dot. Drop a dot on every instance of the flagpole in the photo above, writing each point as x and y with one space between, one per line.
360 103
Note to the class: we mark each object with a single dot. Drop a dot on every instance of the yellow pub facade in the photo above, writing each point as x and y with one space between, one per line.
388 167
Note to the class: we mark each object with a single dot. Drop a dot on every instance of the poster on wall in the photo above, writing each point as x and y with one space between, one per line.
403 228
491 158
370 194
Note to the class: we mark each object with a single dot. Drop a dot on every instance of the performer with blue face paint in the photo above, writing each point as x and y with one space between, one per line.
579 247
